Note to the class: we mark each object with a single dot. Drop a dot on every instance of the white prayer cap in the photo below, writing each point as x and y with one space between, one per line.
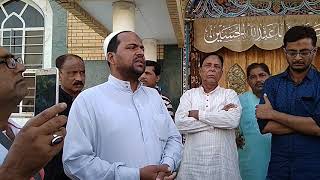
108 39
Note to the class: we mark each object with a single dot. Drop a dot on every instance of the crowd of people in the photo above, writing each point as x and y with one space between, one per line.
126 128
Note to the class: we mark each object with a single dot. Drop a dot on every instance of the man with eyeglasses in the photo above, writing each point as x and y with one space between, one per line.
33 146
290 110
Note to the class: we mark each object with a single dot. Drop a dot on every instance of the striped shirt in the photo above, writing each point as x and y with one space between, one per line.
210 150
168 104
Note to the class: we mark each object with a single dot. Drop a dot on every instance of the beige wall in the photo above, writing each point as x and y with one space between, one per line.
83 41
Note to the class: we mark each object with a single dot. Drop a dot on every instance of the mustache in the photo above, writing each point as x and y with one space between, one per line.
298 62
259 84
78 83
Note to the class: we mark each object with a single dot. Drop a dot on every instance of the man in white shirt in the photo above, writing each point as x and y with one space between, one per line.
120 129
208 116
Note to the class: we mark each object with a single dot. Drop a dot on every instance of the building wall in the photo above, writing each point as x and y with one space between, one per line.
59 36
97 72
170 81
83 41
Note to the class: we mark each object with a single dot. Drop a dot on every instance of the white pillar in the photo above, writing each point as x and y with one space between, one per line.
150 49
123 16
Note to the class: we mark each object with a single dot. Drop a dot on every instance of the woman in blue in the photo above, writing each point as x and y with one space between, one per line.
254 155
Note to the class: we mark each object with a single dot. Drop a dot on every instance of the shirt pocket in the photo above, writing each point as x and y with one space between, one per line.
306 104
161 129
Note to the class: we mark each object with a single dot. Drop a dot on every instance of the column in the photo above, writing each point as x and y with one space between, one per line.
123 15
150 49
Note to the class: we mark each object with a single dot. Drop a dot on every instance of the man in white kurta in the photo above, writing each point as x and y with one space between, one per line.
208 116
120 130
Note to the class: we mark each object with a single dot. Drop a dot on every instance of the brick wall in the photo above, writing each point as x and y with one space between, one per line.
83 41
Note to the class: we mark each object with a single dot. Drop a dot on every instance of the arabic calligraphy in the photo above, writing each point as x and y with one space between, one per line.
214 33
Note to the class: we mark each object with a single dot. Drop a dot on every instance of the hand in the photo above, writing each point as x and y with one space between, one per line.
264 111
161 175
31 149
151 172
171 177
229 106
240 141
194 114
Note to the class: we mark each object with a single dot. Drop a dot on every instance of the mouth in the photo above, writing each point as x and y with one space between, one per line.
22 80
259 86
78 85
140 62
298 64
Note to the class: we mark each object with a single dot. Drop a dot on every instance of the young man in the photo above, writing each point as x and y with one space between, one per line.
72 78
120 129
31 149
208 116
151 77
290 110
254 156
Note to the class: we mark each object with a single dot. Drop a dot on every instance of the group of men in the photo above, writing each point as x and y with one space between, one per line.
124 128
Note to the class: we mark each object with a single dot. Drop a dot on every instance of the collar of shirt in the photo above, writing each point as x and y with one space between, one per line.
211 92
122 85
309 75
64 96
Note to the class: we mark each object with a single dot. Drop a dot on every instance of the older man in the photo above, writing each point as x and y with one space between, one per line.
120 129
290 110
208 116
72 78
31 148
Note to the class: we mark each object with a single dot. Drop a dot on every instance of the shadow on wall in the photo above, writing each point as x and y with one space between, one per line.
97 72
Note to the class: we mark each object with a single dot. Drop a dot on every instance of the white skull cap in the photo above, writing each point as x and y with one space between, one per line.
108 39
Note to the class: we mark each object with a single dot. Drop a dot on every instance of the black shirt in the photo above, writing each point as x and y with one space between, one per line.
54 169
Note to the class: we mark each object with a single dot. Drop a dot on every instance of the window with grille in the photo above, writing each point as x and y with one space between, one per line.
160 51
22 33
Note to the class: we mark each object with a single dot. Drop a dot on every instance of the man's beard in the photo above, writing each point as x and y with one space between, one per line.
300 70
135 72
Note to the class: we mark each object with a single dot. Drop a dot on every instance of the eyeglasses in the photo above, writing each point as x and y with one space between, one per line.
303 53
11 61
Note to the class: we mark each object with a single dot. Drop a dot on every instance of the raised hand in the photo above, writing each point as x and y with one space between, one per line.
264 111
32 149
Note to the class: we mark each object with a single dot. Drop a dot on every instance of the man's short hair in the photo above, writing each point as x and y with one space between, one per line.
113 44
156 66
211 54
61 59
300 32
252 66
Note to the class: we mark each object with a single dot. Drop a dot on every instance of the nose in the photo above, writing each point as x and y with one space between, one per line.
140 51
78 77
298 57
141 77
212 68
259 79
20 68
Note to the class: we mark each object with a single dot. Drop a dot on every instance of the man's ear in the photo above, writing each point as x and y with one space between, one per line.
60 75
111 58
